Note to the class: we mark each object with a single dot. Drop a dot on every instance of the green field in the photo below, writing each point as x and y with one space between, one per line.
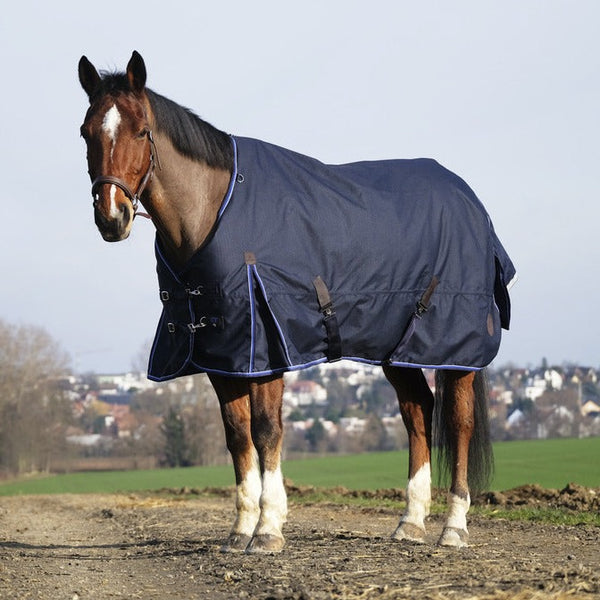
549 463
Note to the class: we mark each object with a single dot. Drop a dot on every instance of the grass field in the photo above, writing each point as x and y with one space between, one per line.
549 463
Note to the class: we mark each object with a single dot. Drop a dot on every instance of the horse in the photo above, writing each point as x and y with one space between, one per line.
144 148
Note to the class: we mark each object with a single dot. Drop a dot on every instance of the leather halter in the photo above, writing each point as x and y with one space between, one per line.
134 197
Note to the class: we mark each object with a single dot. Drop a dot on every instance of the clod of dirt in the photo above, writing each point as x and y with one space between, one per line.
571 497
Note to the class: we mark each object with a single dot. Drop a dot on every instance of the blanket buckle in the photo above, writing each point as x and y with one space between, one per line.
334 341
199 291
205 321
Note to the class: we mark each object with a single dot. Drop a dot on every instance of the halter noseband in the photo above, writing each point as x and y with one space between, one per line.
133 197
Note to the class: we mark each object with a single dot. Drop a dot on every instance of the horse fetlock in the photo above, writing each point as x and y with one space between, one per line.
246 522
270 522
458 507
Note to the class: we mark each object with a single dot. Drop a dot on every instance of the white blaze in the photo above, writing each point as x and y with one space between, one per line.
110 125
114 211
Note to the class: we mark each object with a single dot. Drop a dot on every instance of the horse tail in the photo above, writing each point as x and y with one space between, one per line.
481 459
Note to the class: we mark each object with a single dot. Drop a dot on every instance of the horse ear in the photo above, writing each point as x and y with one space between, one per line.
88 76
136 73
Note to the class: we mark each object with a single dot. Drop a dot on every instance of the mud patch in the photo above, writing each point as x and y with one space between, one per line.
127 546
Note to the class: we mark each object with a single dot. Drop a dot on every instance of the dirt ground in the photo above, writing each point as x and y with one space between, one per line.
118 546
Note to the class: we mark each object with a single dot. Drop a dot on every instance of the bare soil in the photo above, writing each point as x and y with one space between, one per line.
76 547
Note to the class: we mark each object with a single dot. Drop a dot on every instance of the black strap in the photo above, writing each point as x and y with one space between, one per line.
334 341
421 308
423 303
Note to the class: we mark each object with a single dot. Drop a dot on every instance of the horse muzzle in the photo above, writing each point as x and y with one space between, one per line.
113 218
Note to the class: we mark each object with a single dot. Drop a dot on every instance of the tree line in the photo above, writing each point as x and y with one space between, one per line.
179 424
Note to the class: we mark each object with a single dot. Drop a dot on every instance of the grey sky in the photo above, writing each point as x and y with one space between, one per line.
506 94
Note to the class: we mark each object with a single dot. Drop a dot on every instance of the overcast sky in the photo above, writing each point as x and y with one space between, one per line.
506 94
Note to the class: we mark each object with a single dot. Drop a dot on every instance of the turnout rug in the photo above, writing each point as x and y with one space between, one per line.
388 262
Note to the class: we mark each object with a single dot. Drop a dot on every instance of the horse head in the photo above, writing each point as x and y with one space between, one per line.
120 146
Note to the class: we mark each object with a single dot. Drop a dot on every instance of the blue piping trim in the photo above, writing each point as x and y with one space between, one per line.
184 365
279 330
252 319
224 204
318 362
165 262
232 181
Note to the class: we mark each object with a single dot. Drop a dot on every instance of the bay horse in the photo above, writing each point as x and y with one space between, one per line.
143 147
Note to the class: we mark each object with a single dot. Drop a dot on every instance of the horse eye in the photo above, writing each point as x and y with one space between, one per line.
143 133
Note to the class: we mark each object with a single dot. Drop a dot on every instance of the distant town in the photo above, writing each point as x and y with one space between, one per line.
126 421
54 420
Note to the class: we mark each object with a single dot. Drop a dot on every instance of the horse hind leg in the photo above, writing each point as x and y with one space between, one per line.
464 445
267 434
416 407
234 399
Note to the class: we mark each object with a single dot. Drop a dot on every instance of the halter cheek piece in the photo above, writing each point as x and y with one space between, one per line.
133 197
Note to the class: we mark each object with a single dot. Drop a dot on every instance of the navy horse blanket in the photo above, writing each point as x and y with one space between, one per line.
389 262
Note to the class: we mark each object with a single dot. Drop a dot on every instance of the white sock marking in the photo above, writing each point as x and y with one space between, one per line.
457 511
247 500
273 504
418 497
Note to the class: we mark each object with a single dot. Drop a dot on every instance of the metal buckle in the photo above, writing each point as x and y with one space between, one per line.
203 322
164 295
171 327
421 309
199 291
216 322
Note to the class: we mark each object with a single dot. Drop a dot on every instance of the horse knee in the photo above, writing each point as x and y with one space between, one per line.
266 435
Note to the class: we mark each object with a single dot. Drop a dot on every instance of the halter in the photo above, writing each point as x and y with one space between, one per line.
133 197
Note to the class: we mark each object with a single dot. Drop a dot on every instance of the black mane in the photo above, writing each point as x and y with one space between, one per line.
191 136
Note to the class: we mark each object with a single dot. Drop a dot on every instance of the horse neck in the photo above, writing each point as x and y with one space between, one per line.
184 200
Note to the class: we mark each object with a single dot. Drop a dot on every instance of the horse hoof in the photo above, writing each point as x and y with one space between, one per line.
236 542
409 532
265 544
451 536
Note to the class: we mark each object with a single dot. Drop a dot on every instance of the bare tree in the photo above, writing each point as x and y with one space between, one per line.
204 428
34 410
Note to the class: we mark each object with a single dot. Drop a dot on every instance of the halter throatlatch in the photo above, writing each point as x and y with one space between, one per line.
134 197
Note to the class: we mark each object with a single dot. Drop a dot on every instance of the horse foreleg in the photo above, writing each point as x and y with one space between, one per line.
458 407
234 398
416 407
266 396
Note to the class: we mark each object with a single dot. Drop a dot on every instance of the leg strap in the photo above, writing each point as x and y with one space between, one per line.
334 341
